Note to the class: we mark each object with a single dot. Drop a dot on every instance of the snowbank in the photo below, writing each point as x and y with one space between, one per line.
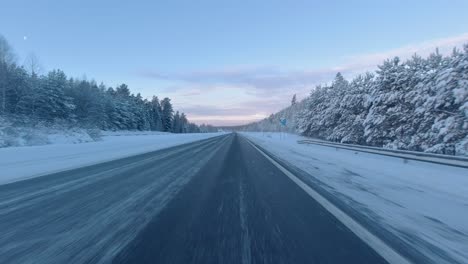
423 204
14 136
133 133
17 163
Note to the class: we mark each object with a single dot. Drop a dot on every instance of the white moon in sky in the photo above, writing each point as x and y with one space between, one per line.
25 38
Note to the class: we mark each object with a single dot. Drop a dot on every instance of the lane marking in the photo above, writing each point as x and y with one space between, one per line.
379 246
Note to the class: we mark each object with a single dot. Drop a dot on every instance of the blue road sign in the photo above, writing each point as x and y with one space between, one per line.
283 121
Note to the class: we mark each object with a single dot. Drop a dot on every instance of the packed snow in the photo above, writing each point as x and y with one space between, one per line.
424 204
18 163
18 136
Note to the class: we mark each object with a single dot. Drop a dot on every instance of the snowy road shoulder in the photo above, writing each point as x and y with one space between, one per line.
18 163
423 204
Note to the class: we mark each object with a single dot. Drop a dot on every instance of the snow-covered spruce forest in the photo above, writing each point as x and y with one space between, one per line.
32 100
420 104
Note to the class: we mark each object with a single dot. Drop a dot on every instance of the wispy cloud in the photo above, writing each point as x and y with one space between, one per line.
191 93
254 107
362 62
269 88
268 79
257 81
204 110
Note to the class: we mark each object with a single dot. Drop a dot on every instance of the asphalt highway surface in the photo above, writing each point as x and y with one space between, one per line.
217 200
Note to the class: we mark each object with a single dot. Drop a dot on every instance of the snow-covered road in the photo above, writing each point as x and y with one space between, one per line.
423 204
18 163
88 215
217 200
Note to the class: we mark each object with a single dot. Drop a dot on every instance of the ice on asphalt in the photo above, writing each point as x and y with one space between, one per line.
18 163
424 204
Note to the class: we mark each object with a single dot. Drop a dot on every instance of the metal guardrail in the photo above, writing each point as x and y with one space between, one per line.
403 154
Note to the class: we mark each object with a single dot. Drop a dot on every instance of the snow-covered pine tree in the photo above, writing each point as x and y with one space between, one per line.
183 123
294 100
167 114
156 115
176 126
52 102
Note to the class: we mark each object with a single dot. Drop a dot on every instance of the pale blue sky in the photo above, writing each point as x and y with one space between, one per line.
226 62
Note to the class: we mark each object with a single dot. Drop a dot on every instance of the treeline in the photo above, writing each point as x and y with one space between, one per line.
420 104
273 124
29 98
